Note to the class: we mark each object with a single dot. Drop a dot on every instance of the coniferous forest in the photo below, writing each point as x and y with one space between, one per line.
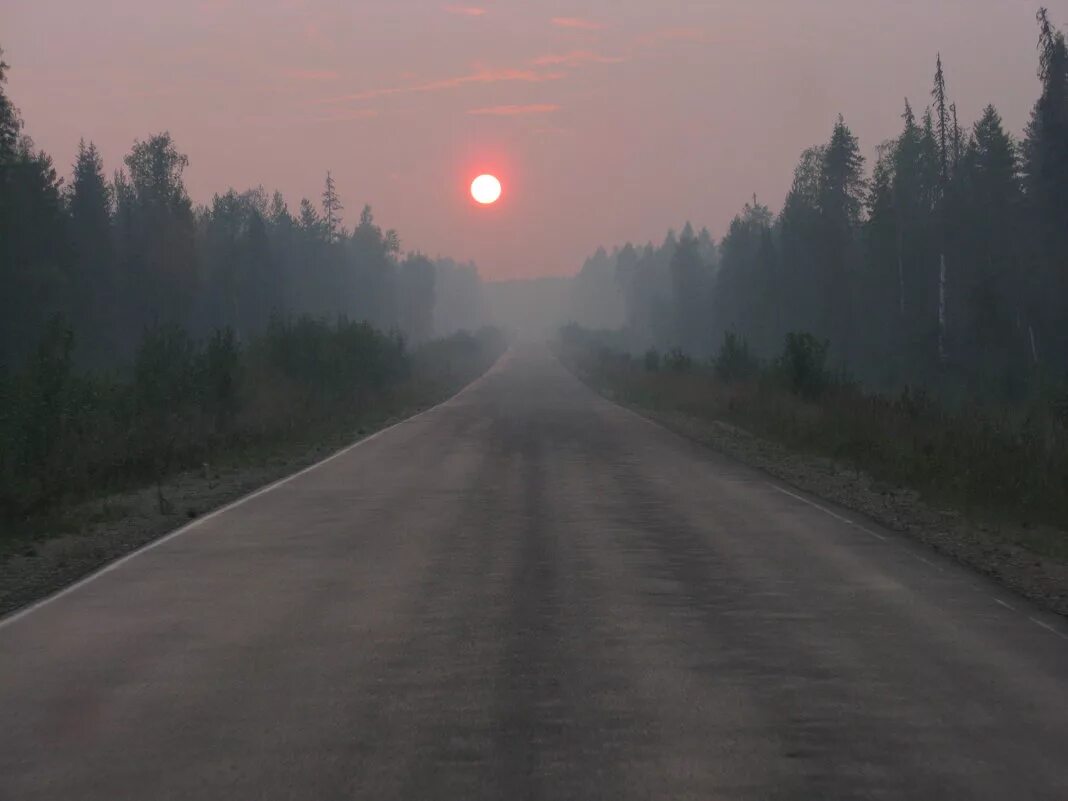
113 255
907 319
141 334
941 262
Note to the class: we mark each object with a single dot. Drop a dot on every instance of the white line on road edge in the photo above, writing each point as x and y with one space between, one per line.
25 611
926 561
827 511
1049 628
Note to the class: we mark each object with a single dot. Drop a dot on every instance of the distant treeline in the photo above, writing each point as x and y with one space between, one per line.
115 257
946 265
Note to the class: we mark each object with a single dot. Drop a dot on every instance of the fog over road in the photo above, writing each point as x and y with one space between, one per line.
531 593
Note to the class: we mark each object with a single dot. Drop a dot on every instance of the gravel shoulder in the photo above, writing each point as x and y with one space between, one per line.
993 548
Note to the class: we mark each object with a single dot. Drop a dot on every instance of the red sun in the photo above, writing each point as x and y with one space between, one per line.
486 189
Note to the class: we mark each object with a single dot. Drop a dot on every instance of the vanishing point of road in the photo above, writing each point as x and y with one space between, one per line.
531 593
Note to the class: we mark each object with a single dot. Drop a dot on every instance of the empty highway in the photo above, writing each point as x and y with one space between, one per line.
531 593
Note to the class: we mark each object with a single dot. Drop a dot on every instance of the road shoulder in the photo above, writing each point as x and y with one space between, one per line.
989 547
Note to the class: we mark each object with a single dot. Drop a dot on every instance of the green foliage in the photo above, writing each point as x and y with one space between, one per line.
803 364
734 361
65 433
117 257
678 361
652 360
10 124
336 361
222 378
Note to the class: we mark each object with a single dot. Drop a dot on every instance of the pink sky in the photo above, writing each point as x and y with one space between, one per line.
607 120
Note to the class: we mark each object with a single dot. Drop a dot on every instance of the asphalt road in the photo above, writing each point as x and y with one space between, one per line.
531 593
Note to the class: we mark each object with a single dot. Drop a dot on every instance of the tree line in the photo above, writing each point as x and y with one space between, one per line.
69 433
947 263
116 256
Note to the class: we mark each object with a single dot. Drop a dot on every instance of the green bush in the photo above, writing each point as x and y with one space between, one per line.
735 362
803 364
66 434
652 360
222 378
677 361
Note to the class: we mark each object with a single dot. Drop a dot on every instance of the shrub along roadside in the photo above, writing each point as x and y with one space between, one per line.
67 436
1009 463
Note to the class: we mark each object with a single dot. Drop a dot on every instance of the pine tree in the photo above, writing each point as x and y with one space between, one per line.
34 250
942 121
993 286
160 250
10 124
416 292
957 151
842 191
89 205
689 285
1046 180
278 214
310 221
907 183
945 136
842 184
882 292
332 209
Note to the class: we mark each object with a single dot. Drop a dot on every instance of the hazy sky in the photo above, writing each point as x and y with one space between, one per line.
606 120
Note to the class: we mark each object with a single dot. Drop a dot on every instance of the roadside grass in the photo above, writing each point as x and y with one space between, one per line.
1007 466
71 443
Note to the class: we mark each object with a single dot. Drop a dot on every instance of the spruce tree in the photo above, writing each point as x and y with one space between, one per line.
332 209
89 205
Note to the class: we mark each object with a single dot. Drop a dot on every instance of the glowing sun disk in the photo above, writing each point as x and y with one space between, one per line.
486 189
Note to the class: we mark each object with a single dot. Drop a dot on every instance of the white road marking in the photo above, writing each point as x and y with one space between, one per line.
875 534
827 511
25 611
926 561
1049 628
915 556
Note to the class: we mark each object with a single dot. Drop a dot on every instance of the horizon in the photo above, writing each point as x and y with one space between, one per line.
584 106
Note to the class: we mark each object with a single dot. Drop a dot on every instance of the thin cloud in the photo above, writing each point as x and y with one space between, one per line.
445 84
575 57
465 11
576 23
313 75
515 110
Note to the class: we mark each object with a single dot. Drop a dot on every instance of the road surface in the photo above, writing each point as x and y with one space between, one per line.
531 593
